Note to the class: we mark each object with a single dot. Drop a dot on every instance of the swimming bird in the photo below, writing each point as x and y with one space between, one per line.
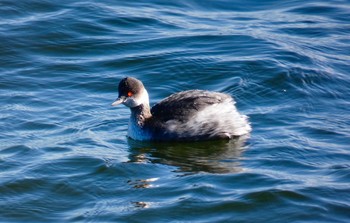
190 115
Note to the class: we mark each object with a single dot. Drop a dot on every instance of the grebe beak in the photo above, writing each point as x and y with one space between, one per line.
118 101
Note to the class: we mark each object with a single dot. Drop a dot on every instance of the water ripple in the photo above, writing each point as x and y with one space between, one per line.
64 155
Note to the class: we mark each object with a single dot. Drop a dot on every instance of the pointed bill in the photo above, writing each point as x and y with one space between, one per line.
118 101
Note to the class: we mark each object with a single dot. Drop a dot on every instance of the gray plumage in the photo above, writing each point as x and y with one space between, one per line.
183 105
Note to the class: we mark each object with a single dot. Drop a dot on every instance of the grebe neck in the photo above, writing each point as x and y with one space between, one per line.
140 113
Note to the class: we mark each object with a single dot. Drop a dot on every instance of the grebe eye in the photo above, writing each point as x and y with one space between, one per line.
130 93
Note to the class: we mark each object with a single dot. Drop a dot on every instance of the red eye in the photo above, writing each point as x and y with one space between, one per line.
130 94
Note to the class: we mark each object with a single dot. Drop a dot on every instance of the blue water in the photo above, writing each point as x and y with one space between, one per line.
64 154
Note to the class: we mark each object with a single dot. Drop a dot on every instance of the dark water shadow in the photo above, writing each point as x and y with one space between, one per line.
192 157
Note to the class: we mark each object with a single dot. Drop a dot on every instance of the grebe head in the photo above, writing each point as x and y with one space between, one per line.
132 93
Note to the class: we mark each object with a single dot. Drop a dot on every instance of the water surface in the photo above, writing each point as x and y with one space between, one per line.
64 155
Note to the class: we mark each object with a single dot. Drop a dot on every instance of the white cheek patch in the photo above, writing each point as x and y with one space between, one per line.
131 102
141 98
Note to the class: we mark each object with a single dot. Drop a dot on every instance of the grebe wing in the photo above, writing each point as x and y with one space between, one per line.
184 105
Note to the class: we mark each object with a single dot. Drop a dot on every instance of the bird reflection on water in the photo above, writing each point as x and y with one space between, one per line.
218 157
191 157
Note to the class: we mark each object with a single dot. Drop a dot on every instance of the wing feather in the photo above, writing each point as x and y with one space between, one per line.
184 105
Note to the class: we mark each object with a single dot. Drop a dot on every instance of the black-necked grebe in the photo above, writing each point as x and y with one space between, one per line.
185 116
